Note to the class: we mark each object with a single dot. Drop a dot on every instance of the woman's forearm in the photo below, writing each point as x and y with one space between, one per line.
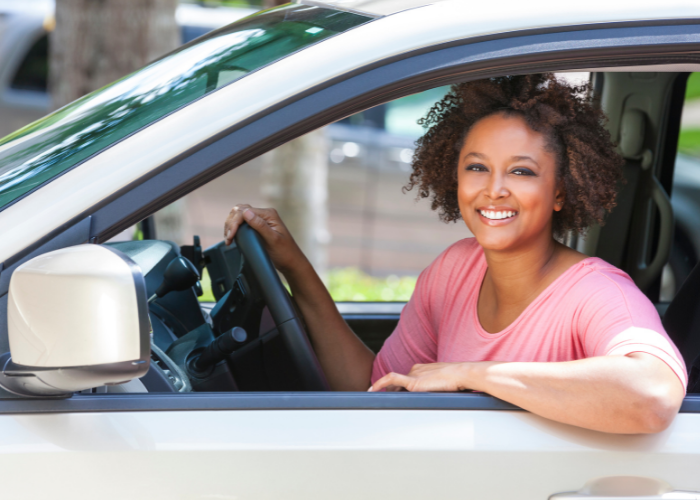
637 393
345 359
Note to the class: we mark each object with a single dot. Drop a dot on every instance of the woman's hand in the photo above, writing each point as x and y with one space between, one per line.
278 241
346 361
434 377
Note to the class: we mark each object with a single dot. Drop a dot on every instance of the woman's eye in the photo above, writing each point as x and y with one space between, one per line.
476 167
523 171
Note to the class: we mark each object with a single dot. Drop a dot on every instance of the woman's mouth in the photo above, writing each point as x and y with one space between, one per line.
497 214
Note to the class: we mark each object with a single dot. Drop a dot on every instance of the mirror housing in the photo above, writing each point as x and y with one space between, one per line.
77 319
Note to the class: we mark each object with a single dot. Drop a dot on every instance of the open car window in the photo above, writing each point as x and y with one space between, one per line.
377 239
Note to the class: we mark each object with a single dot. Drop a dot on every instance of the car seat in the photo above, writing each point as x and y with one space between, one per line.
682 323
633 214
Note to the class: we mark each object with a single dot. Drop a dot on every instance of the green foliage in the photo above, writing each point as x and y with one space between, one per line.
206 288
689 142
692 91
350 284
138 233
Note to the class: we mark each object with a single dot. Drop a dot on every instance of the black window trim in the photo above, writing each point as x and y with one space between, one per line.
642 44
208 401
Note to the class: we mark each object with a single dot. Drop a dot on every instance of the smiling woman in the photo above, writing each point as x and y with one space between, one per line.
511 312
588 168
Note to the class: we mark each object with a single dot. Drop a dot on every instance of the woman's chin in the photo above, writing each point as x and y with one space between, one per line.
495 244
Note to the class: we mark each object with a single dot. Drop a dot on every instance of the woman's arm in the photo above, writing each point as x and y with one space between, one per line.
345 359
636 393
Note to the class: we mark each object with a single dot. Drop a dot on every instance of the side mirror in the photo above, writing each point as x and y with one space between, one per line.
77 318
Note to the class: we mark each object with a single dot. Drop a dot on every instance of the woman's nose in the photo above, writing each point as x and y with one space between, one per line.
496 187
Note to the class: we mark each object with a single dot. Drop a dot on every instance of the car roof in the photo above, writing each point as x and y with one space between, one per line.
602 10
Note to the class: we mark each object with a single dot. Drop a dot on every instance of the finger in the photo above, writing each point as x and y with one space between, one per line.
233 221
254 218
395 379
395 388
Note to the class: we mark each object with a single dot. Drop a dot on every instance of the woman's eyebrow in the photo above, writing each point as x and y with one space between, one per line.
524 158
476 155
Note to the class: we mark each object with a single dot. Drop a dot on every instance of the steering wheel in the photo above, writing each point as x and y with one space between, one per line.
279 303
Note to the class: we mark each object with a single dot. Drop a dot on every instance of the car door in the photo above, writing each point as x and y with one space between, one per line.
320 445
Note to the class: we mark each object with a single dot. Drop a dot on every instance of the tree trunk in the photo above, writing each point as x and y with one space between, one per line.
98 41
295 182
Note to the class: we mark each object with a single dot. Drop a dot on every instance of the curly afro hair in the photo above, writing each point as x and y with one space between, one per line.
588 167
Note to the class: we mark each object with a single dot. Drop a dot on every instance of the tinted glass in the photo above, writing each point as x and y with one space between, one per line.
32 73
45 148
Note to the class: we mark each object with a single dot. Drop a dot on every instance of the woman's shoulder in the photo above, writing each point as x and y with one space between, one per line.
464 254
456 262
604 286
464 248
595 269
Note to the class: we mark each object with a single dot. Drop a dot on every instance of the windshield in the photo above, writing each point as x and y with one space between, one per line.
59 141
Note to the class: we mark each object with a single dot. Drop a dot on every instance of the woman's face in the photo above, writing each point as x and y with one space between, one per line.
507 187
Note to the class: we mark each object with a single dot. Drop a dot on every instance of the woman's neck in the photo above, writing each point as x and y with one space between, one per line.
518 276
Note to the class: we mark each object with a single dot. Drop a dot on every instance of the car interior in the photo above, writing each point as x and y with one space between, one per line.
253 338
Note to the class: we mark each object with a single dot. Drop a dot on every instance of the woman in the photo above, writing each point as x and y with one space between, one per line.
511 312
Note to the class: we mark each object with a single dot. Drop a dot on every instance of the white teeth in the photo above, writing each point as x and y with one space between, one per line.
490 214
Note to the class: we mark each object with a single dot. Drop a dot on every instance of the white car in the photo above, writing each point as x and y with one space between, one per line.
230 401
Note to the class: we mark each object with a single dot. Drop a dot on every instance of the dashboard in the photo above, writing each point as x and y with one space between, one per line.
236 345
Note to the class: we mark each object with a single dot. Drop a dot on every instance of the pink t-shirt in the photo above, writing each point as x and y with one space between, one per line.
592 309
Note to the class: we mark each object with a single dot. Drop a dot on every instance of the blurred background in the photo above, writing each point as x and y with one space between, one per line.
339 189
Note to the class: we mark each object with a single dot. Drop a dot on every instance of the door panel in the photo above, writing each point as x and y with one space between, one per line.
373 330
373 322
328 454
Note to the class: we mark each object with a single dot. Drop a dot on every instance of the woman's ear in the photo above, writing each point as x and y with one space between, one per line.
559 199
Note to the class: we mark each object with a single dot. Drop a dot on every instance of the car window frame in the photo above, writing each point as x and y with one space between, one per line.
590 47
360 90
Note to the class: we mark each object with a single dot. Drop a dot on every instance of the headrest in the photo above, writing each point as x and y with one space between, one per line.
632 130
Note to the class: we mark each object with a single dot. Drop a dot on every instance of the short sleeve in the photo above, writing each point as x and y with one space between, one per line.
414 339
616 318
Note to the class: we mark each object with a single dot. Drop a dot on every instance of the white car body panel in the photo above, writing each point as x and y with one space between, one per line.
77 282
136 156
324 454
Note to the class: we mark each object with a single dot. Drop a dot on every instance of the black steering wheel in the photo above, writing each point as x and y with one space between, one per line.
279 303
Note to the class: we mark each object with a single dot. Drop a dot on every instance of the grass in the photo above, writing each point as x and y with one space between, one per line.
206 287
350 284
689 142
692 90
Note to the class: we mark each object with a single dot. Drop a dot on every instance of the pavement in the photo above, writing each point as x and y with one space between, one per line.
691 114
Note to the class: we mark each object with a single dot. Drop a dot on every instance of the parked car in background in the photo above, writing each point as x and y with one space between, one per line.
24 53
